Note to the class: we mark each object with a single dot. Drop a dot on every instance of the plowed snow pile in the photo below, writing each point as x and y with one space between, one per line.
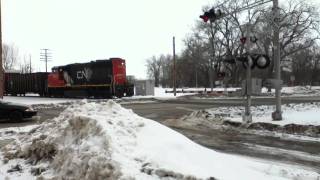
105 141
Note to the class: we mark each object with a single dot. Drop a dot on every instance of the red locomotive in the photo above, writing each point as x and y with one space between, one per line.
99 79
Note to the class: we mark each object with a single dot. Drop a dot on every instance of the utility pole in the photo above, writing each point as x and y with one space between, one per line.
30 64
247 117
1 67
277 115
211 59
45 56
174 66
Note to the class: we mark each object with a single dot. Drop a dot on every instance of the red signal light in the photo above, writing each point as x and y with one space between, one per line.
204 18
243 40
221 75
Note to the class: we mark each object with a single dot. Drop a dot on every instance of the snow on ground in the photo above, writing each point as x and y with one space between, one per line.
34 99
297 91
106 141
303 114
161 92
286 91
29 100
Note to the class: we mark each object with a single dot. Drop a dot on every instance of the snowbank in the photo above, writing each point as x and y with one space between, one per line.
37 100
106 141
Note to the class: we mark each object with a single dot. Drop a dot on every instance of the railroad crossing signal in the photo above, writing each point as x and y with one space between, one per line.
205 17
221 75
260 61
211 15
252 39
243 40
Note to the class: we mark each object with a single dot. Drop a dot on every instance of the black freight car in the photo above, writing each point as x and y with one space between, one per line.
21 84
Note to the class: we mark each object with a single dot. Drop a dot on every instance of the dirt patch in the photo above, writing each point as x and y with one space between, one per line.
305 130
167 174
232 123
263 126
309 130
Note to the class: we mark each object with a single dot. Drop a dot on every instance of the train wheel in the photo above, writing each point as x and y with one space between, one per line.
119 95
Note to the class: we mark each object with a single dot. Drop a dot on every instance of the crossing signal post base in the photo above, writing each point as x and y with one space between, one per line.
247 118
276 116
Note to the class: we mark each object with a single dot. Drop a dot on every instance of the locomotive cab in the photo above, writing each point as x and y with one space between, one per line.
120 83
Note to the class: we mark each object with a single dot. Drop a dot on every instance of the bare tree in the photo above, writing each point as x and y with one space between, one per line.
211 44
299 30
154 69
26 65
198 70
166 75
299 27
10 56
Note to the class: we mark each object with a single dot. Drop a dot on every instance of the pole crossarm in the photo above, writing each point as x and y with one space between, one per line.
249 6
255 4
45 56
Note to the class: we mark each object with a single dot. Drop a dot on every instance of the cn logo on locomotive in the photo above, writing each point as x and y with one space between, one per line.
86 73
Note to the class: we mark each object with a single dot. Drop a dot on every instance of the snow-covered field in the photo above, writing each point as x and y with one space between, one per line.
106 141
286 91
303 114
297 91
160 93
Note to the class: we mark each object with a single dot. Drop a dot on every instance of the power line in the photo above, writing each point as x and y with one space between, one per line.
45 55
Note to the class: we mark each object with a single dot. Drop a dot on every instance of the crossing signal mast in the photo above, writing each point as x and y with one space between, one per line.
214 15
211 15
261 61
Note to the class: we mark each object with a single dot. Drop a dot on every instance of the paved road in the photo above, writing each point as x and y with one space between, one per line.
297 152
305 153
176 108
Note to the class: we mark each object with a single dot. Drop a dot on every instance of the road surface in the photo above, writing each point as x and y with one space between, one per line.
295 152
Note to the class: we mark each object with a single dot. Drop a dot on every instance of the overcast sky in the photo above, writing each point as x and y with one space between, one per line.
84 30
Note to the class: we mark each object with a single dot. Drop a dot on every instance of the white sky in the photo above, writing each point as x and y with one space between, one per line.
84 30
